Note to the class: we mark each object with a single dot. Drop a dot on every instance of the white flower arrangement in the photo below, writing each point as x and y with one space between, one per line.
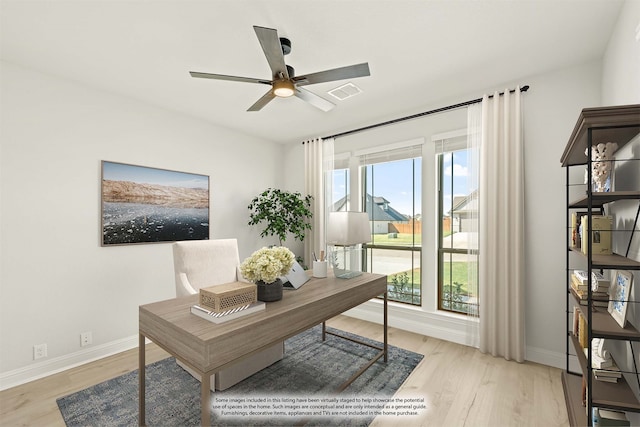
267 264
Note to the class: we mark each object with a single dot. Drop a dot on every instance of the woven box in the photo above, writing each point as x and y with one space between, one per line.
225 297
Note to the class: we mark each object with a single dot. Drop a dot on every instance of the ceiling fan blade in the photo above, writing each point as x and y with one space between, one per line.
270 42
232 78
266 98
313 99
348 72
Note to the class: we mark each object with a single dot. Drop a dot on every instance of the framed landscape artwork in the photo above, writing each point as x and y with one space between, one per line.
149 205
619 293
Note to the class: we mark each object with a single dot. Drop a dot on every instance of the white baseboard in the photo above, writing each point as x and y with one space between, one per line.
442 326
446 327
546 357
52 366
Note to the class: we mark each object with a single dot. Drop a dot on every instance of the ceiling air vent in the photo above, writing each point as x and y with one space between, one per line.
345 91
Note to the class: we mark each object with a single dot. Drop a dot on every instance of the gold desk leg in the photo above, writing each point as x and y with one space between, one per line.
141 379
205 396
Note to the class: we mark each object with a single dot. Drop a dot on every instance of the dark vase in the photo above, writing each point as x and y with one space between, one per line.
269 292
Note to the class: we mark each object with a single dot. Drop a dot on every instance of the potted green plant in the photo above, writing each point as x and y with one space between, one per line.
283 212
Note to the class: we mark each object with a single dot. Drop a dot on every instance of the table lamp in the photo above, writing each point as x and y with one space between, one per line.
345 231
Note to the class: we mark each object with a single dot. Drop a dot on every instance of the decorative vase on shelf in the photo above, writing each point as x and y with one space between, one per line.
602 166
269 292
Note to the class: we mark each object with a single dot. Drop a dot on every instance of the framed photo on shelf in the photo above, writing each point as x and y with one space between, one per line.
619 293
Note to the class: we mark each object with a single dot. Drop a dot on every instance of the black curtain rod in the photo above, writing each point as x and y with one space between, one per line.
415 116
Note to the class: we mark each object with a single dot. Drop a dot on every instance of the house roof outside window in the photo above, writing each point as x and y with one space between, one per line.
382 210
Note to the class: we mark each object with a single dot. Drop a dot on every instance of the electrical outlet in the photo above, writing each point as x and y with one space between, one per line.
85 338
39 351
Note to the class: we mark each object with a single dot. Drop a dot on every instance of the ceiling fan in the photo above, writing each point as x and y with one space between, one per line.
284 83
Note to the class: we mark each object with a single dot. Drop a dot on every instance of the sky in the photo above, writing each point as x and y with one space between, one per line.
393 181
146 175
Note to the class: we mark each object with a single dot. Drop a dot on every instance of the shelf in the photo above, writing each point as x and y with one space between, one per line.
604 326
618 396
616 124
620 125
572 386
598 200
608 262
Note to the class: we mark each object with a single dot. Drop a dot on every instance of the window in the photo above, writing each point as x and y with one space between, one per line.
340 188
393 202
388 188
458 232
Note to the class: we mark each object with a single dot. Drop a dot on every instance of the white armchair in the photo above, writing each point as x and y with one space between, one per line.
203 263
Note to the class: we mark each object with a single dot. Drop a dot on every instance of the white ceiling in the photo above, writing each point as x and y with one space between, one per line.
419 52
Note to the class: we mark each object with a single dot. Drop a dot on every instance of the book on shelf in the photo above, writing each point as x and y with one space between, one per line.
611 371
597 299
606 379
600 238
606 418
584 293
227 315
582 331
576 220
598 282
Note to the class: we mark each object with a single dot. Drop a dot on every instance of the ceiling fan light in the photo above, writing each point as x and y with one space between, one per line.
283 88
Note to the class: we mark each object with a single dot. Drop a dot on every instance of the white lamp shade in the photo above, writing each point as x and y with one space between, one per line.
348 228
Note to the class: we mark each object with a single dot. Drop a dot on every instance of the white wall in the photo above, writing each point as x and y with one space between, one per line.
552 109
621 62
55 279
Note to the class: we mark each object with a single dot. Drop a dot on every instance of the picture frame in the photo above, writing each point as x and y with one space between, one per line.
619 293
141 204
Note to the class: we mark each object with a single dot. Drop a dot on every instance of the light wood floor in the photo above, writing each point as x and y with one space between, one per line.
460 386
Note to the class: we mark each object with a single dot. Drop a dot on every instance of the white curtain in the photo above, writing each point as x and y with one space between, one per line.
318 160
501 258
474 139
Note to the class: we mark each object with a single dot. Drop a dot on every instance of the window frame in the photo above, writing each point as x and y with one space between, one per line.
449 143
356 163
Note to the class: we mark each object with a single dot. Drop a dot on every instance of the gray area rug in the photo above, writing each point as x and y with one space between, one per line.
309 368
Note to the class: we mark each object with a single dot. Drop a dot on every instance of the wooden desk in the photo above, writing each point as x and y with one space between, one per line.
207 347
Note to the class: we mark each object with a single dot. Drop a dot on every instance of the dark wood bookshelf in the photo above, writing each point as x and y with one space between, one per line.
572 387
620 124
617 396
605 326
598 200
612 261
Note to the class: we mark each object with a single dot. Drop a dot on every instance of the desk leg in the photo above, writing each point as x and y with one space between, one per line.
205 400
324 331
141 379
386 352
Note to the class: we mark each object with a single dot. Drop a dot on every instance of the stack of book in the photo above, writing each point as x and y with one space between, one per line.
225 316
609 374
599 287
606 417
